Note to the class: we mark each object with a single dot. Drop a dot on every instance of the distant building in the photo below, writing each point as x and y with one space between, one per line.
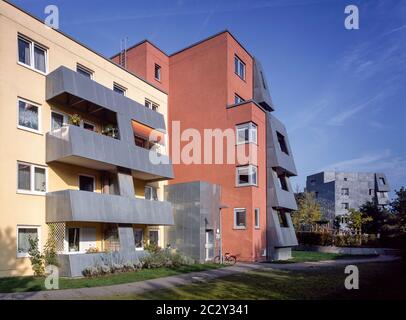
339 191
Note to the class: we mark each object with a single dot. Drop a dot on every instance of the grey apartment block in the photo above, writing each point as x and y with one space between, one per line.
196 208
336 191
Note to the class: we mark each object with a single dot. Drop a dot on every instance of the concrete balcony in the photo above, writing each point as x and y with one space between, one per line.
76 205
282 199
78 146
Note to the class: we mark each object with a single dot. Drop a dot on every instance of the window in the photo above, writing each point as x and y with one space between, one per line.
312 182
371 192
84 71
119 89
382 181
240 216
238 99
32 54
86 183
316 195
150 193
31 178
239 67
345 179
256 217
282 143
247 133
73 239
157 72
345 205
246 176
283 184
263 80
283 222
139 239
58 120
24 234
28 116
382 194
151 105
153 237
345 191
89 126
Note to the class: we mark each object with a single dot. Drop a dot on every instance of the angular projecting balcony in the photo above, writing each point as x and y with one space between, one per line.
74 145
282 198
76 205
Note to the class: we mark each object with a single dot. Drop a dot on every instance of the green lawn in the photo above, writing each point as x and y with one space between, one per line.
310 256
23 284
377 281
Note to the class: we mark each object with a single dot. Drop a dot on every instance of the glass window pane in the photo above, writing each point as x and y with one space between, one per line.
56 121
138 238
28 115
153 237
24 234
73 239
39 179
86 183
24 177
240 218
39 58
24 51
243 177
148 193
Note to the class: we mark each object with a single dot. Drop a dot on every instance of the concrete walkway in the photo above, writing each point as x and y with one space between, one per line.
169 282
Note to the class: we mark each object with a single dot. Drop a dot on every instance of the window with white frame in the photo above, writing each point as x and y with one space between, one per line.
256 217
150 193
240 218
31 178
24 234
246 176
239 67
32 54
29 116
86 72
151 105
58 120
247 133
139 238
119 89
153 236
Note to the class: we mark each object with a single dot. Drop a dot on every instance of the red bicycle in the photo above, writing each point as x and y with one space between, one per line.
227 259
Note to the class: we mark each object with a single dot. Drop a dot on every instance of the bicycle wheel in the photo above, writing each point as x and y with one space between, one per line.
217 259
231 260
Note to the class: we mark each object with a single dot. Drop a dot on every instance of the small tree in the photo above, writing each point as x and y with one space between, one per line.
356 220
379 217
37 259
398 207
308 211
50 252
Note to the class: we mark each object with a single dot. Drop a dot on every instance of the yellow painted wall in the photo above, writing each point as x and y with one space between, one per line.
19 81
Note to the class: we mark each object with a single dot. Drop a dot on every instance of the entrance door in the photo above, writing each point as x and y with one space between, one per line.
209 244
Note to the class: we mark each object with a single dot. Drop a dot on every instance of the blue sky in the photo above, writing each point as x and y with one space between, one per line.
341 93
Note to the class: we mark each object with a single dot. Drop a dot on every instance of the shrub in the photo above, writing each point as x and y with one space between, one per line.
165 258
50 255
91 272
104 269
36 258
128 266
117 268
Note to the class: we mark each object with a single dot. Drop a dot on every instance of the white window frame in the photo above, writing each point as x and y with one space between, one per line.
32 61
119 87
159 235
82 125
39 131
32 179
241 67
252 132
142 239
235 218
151 105
26 255
89 176
256 218
152 193
85 69
250 168
63 114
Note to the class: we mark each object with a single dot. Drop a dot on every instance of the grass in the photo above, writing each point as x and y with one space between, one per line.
310 256
377 281
25 284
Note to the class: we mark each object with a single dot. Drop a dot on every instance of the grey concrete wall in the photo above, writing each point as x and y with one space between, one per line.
76 205
329 185
261 88
196 207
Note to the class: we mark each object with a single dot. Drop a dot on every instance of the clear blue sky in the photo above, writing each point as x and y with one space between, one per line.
340 93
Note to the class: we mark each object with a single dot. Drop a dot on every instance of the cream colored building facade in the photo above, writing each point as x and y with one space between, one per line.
29 52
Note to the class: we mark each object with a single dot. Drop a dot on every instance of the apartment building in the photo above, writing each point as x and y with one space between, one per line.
217 84
75 161
339 191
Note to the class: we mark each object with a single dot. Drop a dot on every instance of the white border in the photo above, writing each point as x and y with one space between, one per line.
39 131
235 218
32 179
26 255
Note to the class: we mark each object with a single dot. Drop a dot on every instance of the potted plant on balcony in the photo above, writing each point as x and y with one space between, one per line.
75 119
111 131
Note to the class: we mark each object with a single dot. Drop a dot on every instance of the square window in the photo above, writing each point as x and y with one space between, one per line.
86 183
84 71
28 116
345 191
246 176
240 217
31 178
150 193
247 133
58 120
32 54
24 234
157 72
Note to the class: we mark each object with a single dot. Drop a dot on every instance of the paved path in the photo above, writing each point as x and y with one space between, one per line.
169 282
